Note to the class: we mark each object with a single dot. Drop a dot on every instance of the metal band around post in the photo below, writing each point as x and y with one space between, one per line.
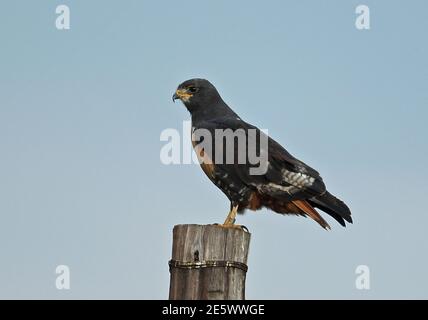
207 264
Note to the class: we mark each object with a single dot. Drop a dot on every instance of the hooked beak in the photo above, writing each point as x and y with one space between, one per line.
182 94
175 97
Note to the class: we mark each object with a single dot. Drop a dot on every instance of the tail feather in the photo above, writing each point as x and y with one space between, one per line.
333 206
311 212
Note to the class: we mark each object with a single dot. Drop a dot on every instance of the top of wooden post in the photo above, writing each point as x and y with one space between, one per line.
209 243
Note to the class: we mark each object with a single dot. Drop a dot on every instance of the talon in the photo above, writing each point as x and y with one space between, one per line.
245 229
234 226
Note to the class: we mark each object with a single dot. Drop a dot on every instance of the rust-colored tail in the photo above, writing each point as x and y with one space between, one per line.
311 212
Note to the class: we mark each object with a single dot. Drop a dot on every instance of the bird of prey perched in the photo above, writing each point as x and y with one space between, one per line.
287 186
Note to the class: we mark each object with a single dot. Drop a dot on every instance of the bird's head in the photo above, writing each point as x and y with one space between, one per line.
197 94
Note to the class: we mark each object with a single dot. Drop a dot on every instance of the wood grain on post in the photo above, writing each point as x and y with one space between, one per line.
208 262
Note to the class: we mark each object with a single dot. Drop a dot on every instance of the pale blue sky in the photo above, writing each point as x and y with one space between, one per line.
81 112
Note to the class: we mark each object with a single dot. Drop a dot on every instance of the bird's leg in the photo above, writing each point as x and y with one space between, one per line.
231 217
230 220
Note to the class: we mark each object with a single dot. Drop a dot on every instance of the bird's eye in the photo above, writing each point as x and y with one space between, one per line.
192 89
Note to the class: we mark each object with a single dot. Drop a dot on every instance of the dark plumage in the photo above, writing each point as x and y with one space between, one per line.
289 186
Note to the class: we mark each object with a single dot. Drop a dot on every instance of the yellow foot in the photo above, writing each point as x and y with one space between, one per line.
233 226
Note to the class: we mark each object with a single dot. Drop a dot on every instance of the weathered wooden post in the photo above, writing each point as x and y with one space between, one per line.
208 262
